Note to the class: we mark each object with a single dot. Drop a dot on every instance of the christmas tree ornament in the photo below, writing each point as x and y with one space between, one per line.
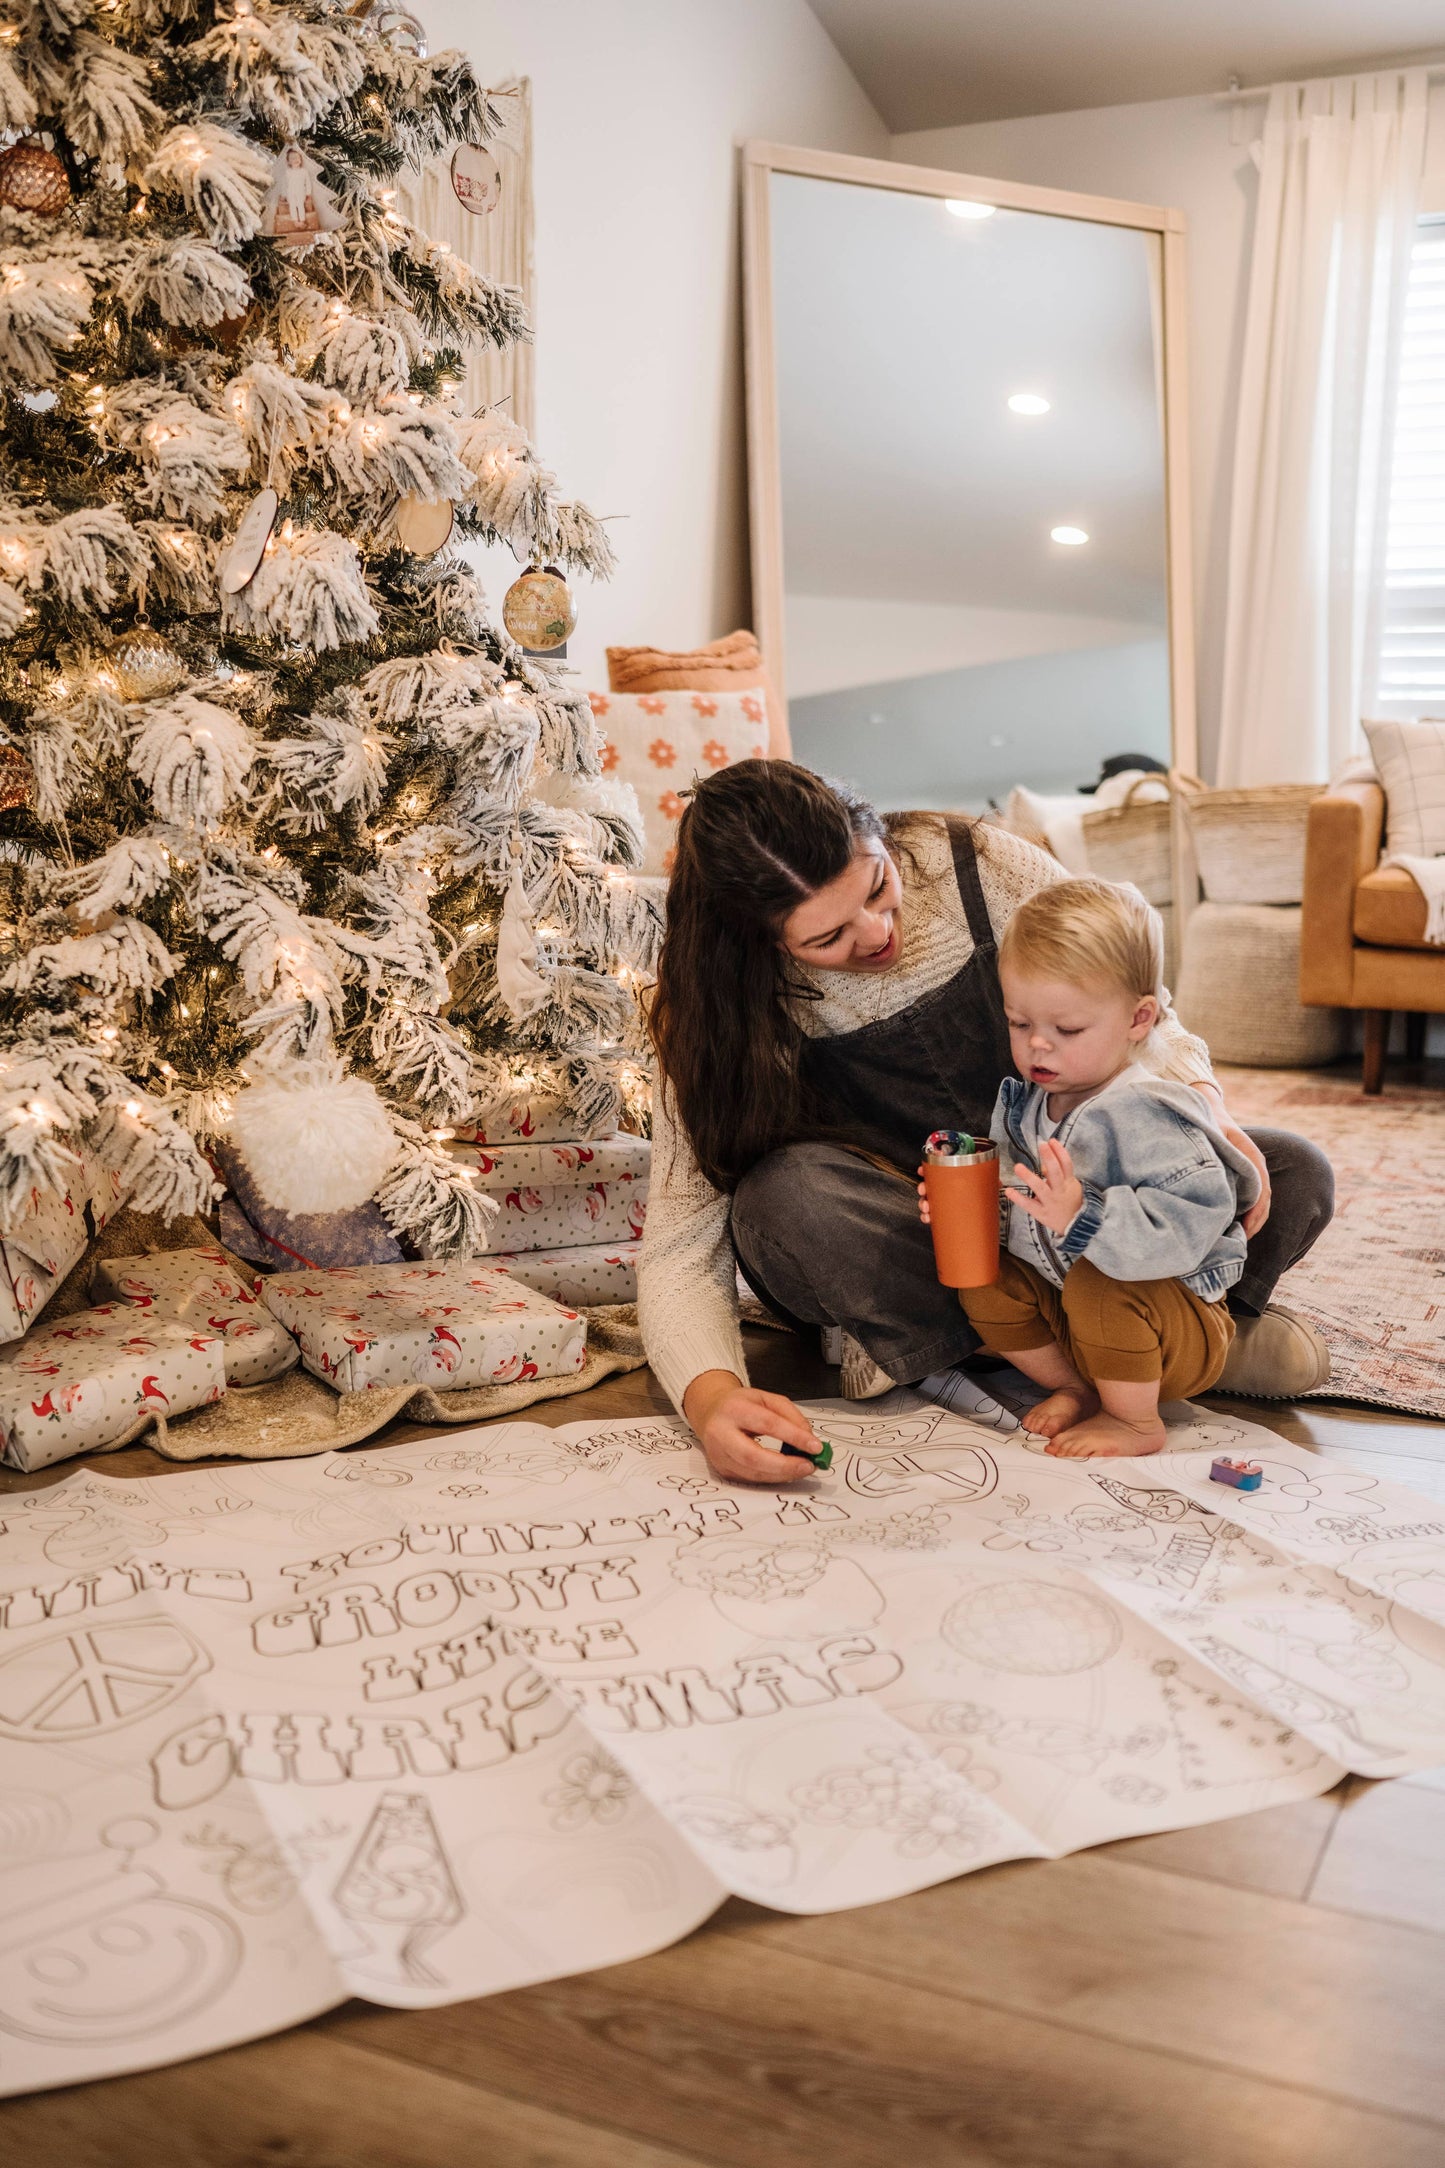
538 609
297 207
314 1140
422 525
396 25
33 178
144 665
520 985
248 545
476 179
16 778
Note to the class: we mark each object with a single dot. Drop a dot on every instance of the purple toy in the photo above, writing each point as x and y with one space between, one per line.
1242 1474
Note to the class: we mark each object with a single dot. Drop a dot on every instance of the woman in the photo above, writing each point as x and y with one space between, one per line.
827 994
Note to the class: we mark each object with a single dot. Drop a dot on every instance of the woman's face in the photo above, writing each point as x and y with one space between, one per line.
852 924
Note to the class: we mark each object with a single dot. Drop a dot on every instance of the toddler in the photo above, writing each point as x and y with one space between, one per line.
1123 1220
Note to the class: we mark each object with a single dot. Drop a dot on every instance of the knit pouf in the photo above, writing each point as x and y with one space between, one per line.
1239 989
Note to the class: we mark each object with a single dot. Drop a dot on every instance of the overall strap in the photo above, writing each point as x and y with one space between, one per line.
970 887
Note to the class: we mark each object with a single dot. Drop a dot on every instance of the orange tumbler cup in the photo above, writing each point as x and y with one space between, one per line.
960 1178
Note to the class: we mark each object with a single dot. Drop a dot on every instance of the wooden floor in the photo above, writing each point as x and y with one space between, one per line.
1262 1993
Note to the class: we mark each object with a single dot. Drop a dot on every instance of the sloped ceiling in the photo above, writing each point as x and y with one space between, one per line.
936 63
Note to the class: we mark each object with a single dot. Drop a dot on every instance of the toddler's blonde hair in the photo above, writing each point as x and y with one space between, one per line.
1089 932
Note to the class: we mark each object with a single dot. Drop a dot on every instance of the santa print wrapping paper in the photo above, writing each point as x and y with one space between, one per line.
451 1326
556 1196
604 1272
80 1385
203 1289
36 1257
528 1117
477 1711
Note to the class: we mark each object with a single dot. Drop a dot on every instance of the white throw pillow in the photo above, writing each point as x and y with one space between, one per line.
1410 762
661 742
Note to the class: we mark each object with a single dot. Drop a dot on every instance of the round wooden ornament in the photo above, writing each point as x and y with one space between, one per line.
248 545
476 179
424 525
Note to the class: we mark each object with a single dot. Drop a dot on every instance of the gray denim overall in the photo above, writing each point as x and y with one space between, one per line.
825 1236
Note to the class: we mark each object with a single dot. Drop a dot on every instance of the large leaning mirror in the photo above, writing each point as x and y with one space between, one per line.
968 505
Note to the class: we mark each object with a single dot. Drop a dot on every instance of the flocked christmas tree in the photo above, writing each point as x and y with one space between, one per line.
298 851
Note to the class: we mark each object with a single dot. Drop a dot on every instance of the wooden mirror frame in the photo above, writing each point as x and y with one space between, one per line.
765 505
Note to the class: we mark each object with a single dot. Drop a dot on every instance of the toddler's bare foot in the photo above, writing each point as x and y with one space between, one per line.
1061 1411
1109 1434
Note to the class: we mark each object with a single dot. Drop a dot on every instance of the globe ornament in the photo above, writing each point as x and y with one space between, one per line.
144 665
538 609
32 178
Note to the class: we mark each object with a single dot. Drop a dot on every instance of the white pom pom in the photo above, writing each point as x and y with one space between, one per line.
314 1140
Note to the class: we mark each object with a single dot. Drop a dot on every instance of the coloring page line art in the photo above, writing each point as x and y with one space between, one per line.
430 1721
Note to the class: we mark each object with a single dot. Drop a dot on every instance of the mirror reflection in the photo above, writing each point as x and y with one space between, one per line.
972 479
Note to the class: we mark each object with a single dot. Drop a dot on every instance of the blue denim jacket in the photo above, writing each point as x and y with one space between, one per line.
1163 1187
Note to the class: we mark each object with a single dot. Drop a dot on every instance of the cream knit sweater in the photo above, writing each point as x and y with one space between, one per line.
686 1275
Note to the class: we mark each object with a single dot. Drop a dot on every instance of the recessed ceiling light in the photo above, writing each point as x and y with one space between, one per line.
962 207
1028 402
1072 535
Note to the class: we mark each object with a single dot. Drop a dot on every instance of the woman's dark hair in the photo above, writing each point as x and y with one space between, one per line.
754 842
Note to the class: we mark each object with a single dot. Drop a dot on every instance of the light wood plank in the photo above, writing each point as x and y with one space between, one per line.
1386 1856
307 2100
1291 1992
1277 1851
773 2060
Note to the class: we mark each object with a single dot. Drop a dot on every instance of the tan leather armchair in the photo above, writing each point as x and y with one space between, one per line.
1362 942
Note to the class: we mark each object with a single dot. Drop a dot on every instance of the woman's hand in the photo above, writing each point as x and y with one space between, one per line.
1055 1194
729 1417
1258 1212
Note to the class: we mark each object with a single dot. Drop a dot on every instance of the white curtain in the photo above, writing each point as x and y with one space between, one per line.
1338 200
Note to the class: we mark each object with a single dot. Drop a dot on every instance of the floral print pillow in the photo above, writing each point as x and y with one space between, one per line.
662 742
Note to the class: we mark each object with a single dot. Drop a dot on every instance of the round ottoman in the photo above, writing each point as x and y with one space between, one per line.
1239 989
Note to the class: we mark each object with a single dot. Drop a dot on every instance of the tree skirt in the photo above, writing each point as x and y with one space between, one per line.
1374 1283
438 1721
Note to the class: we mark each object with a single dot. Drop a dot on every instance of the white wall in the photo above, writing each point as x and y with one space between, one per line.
637 108
1177 152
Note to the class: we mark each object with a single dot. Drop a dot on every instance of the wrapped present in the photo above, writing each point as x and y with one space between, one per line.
203 1289
81 1384
524 1117
592 1273
451 1326
36 1257
561 1196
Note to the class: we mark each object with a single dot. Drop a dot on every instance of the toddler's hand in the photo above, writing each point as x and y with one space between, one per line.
923 1211
1055 1194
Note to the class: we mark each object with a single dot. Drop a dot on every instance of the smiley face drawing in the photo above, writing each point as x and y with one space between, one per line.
97 1949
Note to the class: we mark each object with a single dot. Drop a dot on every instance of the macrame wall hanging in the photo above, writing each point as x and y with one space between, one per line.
497 241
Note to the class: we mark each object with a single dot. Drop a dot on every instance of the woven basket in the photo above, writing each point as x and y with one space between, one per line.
1250 844
1130 842
1239 989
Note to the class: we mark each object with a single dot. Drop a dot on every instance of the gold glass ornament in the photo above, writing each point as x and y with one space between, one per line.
144 665
32 178
538 609
16 780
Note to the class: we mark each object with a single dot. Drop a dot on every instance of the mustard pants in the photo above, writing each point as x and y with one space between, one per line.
1126 1331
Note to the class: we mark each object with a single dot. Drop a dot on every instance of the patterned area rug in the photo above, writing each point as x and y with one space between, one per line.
1375 1281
